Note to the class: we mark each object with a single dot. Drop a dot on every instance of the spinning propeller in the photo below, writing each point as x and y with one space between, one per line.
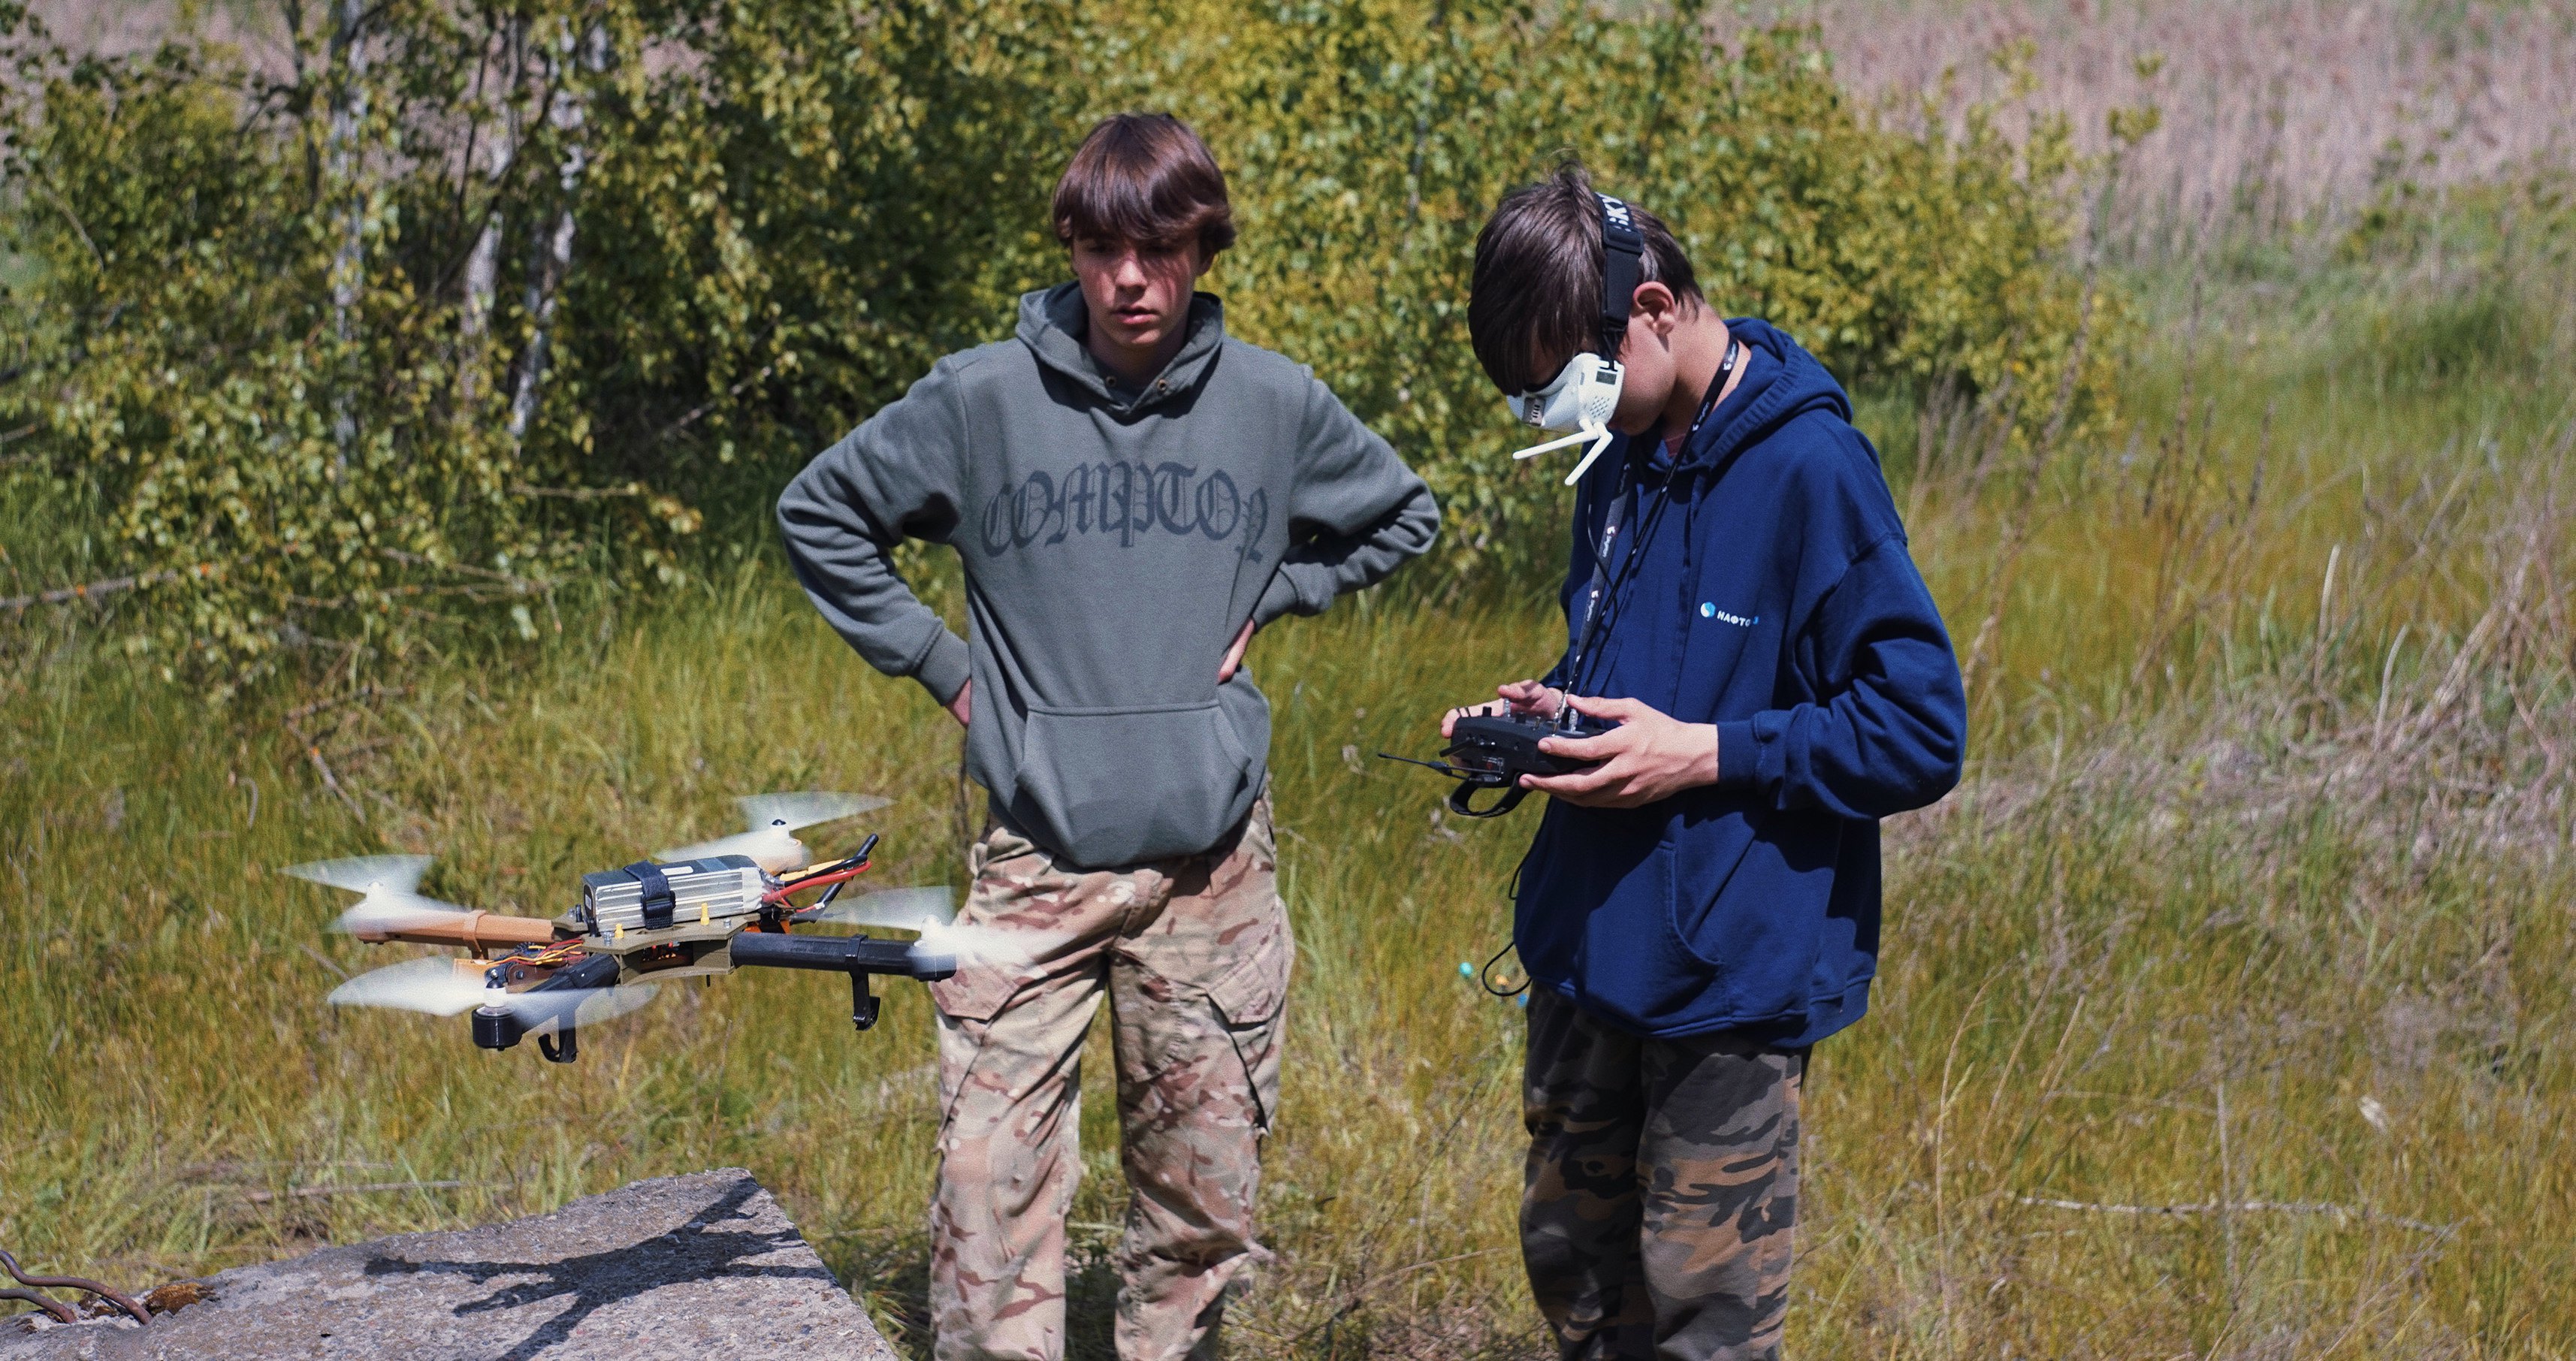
388 886
442 986
932 913
890 909
390 905
771 820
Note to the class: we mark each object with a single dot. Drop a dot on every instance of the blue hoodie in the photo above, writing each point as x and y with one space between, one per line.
1764 587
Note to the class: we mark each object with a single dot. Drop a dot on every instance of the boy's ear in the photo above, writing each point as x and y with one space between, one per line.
1657 305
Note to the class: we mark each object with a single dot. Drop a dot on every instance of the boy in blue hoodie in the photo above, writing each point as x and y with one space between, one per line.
1701 906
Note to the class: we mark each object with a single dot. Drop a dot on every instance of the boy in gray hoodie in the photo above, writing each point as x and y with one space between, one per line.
1132 494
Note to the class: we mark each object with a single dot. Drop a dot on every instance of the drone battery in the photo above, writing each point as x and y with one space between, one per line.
718 888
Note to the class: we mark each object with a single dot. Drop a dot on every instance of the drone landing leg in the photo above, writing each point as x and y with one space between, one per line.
863 1004
565 1052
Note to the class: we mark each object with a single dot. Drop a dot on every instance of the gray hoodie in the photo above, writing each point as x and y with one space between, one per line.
1114 539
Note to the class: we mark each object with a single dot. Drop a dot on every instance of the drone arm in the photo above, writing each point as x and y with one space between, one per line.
857 956
828 954
476 931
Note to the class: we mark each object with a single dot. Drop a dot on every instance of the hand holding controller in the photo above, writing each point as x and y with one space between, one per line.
1500 745
1597 753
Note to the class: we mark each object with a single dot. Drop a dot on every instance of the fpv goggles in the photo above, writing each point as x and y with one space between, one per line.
1585 392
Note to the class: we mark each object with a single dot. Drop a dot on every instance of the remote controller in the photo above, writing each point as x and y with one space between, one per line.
1493 751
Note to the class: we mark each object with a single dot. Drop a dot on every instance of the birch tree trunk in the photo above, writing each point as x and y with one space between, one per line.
483 264
568 110
349 260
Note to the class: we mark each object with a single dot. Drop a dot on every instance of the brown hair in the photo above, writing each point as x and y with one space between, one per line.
1535 296
1146 178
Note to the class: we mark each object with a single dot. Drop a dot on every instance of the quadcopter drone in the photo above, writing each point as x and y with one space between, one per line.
698 911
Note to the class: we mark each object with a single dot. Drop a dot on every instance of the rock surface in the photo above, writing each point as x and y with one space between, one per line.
698 1266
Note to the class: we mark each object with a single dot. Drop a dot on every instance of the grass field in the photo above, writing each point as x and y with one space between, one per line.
2225 1010
2267 933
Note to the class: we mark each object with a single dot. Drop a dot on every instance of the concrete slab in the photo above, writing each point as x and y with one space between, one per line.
705 1265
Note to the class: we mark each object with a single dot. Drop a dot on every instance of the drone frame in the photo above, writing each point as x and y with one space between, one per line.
565 953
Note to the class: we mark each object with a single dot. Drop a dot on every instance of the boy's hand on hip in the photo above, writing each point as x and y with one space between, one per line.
1234 655
961 706
1519 697
1648 757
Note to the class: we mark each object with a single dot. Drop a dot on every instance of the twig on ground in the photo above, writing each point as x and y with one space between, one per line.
63 1313
313 753
363 692
366 1188
1356 1298
84 1284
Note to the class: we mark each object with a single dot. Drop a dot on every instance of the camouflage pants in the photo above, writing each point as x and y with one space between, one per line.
1194 956
1660 1191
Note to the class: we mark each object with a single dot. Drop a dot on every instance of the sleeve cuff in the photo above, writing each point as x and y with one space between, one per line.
1278 598
1737 758
943 670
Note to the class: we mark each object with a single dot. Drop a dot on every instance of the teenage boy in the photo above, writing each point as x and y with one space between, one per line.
1132 494
1703 905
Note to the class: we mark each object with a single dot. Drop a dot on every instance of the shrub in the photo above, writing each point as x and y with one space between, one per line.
1369 140
477 300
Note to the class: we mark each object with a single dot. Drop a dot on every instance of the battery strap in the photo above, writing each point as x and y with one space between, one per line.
657 902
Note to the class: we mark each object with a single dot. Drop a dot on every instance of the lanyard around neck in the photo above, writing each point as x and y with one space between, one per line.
1615 512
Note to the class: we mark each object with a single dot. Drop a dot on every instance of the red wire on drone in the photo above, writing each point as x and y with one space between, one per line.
780 893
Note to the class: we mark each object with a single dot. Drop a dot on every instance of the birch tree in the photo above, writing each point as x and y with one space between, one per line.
347 159
499 147
567 111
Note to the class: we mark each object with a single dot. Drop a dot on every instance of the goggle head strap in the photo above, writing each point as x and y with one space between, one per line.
1622 252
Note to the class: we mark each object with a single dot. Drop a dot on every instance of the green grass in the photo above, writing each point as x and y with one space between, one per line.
2257 896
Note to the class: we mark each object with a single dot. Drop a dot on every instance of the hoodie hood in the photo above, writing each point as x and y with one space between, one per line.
1054 323
1782 383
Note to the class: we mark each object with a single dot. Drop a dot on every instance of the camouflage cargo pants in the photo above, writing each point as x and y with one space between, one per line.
1194 956
1660 1191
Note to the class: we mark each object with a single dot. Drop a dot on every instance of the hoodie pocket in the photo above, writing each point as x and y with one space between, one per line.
1118 786
1741 905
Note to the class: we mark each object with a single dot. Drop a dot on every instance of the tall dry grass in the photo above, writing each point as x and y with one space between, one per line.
2280 116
